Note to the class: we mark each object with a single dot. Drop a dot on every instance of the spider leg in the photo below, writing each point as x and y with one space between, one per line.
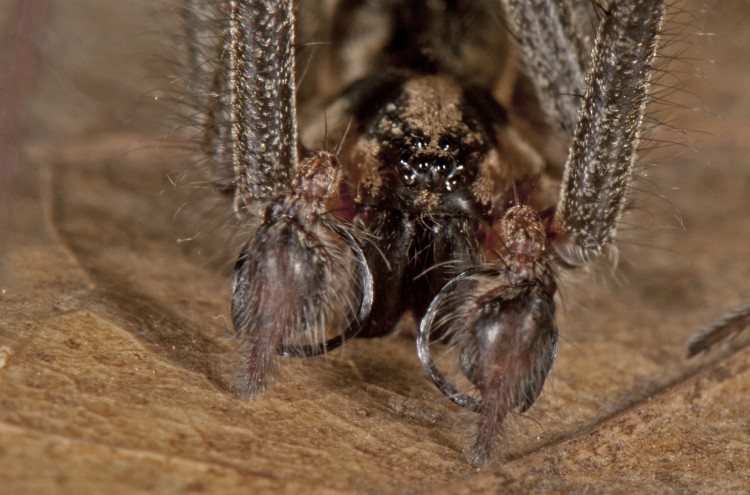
199 18
261 82
730 324
236 50
601 158
550 34
302 272
209 67
502 320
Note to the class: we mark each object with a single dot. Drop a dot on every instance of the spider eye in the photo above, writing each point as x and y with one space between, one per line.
454 178
449 143
409 177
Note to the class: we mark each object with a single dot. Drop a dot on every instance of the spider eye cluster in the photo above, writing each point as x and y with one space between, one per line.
431 170
435 169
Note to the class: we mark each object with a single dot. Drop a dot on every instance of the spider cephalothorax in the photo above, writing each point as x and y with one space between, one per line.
433 203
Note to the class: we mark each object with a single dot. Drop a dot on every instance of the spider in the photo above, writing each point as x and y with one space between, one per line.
439 197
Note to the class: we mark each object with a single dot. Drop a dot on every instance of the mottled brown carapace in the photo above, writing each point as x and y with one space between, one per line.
437 196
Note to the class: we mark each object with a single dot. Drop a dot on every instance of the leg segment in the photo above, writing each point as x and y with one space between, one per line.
301 272
242 61
502 321
548 34
262 86
601 158
729 325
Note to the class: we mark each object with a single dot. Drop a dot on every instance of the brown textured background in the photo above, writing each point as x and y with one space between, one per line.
117 381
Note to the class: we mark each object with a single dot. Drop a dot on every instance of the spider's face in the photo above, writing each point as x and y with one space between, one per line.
428 151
